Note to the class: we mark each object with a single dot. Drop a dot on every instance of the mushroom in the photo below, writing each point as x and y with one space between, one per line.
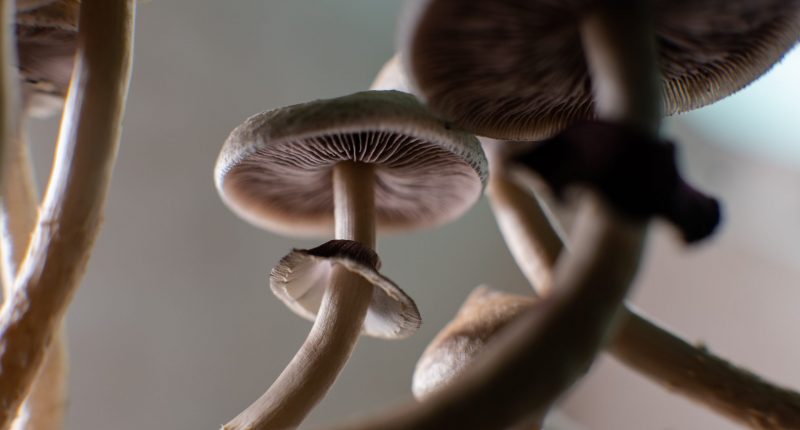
374 159
484 314
524 70
69 219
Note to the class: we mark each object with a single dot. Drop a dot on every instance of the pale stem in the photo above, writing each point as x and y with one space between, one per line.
521 217
45 406
72 210
315 367
704 377
542 353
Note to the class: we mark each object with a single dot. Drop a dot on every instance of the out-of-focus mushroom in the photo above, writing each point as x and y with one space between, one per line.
521 70
72 208
370 160
536 243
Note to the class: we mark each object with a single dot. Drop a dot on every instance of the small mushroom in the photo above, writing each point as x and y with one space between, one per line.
354 164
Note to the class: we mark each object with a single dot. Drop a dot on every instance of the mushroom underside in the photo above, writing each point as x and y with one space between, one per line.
523 74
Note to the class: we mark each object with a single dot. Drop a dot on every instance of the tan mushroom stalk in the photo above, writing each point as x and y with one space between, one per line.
72 208
46 41
370 160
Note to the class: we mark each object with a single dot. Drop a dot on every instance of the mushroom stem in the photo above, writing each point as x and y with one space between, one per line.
73 204
619 46
704 377
526 228
641 344
45 406
542 353
315 367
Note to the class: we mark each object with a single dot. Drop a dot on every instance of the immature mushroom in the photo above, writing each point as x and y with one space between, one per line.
370 160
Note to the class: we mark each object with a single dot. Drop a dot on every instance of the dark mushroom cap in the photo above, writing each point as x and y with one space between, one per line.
515 69
301 277
46 44
484 314
275 169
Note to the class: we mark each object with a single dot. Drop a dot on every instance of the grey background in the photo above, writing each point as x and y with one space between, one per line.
175 328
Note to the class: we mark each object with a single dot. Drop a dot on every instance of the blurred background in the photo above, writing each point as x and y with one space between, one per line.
174 326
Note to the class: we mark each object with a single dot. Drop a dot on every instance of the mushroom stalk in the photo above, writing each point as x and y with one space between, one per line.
704 377
315 367
45 406
641 344
542 353
73 204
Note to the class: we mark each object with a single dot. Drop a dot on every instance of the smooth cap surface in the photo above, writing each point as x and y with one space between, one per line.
481 317
275 169
515 69
301 277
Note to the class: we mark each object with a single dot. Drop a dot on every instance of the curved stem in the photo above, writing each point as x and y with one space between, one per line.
73 204
315 367
45 406
542 353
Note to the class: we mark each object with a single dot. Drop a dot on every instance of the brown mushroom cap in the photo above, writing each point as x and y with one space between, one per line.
481 317
46 43
275 169
301 277
515 69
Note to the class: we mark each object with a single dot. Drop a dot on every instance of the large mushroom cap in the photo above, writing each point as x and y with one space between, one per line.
275 169
484 314
301 277
515 69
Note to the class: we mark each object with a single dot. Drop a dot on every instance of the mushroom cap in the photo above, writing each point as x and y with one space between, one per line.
275 169
484 314
515 69
300 279
46 44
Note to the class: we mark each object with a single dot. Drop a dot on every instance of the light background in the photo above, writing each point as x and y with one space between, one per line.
175 328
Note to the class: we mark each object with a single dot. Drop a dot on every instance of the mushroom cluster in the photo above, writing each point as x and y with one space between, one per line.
574 90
